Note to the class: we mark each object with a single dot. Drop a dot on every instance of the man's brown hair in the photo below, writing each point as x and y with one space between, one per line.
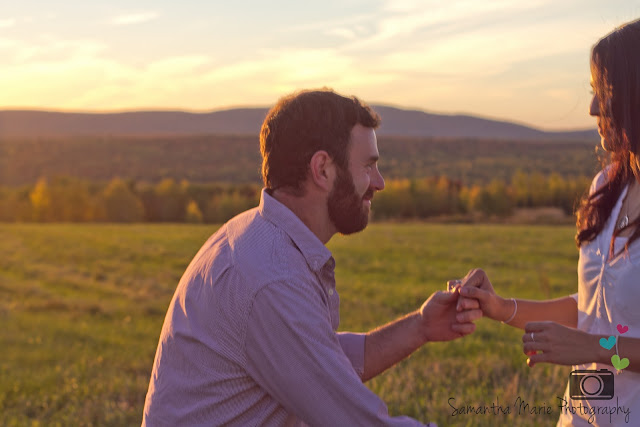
303 123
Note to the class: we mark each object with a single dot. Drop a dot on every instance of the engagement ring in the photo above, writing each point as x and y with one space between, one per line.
452 284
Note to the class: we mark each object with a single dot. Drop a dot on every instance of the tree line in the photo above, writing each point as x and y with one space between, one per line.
236 158
441 196
66 199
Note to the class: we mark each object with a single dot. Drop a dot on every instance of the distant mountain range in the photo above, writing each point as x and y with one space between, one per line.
242 121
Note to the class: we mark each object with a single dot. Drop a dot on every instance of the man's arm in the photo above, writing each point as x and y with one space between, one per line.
295 356
437 320
353 347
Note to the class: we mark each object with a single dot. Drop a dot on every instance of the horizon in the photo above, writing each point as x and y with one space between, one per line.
265 107
526 64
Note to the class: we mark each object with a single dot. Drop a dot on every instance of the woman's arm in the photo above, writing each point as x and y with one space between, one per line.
550 327
562 310
476 285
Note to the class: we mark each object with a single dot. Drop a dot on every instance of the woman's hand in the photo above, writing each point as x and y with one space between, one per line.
476 287
550 342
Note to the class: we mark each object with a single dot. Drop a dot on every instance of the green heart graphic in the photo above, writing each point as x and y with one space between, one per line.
619 364
608 343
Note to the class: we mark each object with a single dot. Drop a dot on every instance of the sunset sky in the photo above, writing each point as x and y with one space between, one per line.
512 60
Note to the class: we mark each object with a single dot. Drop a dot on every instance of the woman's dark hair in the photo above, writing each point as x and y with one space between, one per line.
615 70
303 123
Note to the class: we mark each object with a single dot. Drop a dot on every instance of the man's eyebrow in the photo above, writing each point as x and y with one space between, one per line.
374 158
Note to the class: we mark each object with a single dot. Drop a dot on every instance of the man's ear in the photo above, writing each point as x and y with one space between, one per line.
322 170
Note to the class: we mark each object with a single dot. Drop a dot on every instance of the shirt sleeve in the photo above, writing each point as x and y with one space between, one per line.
294 354
353 347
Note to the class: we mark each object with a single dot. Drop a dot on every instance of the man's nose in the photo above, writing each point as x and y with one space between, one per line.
378 182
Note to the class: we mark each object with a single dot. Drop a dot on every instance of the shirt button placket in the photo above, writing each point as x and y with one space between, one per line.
601 284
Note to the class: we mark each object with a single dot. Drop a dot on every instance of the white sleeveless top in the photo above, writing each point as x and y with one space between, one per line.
608 295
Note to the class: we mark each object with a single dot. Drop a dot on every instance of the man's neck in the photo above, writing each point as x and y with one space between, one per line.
311 210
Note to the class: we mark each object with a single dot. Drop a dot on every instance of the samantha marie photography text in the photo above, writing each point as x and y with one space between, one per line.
521 407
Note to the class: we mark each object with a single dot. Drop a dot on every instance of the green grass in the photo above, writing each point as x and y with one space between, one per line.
82 307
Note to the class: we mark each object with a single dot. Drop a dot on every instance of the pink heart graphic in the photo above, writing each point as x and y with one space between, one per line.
622 329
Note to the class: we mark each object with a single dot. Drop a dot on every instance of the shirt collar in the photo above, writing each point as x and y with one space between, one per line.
314 251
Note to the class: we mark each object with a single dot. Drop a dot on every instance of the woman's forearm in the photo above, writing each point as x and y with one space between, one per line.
476 285
560 310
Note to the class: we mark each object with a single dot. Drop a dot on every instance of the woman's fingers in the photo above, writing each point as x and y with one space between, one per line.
538 326
469 316
550 342
538 358
467 304
475 293
534 347
529 337
475 278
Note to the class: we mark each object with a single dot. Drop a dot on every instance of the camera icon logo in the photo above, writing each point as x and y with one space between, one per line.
591 384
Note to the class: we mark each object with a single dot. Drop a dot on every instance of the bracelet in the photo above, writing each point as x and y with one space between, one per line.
515 310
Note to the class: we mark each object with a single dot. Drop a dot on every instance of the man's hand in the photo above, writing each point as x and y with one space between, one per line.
443 322
436 320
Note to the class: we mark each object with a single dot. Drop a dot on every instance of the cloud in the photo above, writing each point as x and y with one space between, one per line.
345 33
7 23
47 49
403 22
79 74
185 65
498 59
135 18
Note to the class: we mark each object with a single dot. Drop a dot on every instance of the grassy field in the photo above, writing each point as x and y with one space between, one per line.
82 307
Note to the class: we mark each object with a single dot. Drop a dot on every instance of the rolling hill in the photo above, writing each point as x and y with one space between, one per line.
26 124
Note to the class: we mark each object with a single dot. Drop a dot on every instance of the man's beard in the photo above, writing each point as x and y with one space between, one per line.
346 210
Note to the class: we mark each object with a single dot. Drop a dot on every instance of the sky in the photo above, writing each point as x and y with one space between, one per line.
525 62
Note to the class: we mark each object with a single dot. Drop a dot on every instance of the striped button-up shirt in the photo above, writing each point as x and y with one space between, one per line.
249 337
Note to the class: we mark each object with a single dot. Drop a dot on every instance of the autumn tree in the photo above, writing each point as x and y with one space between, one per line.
193 214
40 198
121 204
